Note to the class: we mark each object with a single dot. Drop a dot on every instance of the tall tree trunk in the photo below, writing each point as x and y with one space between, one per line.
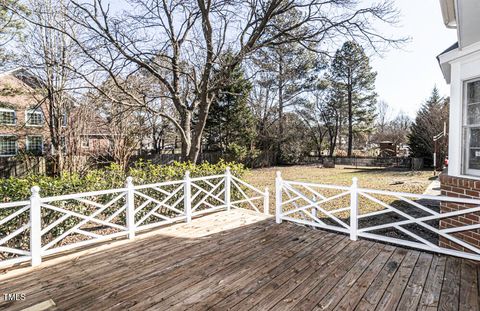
197 134
280 113
350 120
185 122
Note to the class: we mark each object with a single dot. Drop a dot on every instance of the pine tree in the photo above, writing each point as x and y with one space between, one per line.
230 126
351 75
290 70
11 26
429 122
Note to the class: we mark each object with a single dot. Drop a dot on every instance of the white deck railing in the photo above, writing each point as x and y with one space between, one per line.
394 217
31 230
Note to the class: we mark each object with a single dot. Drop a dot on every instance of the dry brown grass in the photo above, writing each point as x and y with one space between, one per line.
373 178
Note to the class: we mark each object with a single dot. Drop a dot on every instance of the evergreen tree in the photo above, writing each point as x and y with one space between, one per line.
289 69
352 77
429 122
230 126
11 26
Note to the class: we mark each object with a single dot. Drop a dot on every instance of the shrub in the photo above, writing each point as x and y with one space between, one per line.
18 189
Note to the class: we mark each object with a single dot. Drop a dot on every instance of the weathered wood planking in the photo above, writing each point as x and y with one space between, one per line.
239 260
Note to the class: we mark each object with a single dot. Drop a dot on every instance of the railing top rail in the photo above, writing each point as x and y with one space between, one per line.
310 184
81 195
247 185
389 193
160 184
421 196
207 177
14 204
103 192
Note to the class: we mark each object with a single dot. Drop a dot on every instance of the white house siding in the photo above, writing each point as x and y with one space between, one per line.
464 66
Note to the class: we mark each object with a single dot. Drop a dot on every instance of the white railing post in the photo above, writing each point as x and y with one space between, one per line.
278 198
35 227
354 209
228 182
187 199
266 201
130 211
314 209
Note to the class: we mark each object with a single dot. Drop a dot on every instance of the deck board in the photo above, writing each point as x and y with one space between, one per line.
238 260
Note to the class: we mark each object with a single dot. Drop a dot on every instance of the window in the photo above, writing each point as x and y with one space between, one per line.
34 117
8 145
85 143
7 116
64 119
34 144
63 143
471 128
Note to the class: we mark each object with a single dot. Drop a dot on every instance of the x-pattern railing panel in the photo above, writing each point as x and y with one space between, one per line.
14 233
422 221
247 197
315 205
88 218
158 205
208 193
394 217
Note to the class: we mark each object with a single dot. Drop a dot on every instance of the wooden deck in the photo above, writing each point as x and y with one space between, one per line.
242 261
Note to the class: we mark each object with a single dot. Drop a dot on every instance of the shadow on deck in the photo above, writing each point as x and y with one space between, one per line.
239 260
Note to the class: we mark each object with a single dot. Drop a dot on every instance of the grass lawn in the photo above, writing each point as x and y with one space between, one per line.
373 178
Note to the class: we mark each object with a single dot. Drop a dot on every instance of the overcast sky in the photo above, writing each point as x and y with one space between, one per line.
406 77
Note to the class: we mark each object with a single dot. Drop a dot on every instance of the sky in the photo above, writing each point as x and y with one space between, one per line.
406 76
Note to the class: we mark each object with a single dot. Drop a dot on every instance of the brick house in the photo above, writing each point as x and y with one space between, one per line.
23 126
24 123
460 65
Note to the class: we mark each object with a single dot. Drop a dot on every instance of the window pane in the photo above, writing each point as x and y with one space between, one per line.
473 114
473 92
7 117
474 149
35 144
34 118
8 145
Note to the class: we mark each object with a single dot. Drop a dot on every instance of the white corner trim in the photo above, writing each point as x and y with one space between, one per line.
454 55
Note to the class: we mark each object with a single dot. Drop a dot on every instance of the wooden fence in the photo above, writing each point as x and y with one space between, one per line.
400 162
18 167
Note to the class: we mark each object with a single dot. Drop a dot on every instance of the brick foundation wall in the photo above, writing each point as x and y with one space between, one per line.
460 188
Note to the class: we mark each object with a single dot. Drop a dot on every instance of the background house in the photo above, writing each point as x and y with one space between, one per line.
25 137
23 126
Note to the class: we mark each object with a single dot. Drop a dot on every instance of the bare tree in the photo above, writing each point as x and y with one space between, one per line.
49 54
383 115
180 43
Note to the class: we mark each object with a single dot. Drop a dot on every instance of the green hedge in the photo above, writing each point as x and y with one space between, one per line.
18 189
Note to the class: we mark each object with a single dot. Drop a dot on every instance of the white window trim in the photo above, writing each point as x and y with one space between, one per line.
16 146
37 110
465 133
27 145
64 120
14 116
